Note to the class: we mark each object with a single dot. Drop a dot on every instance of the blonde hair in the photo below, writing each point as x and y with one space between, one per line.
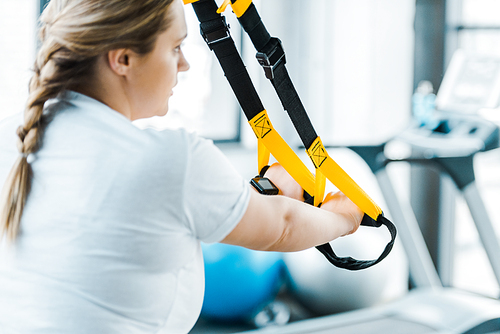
73 34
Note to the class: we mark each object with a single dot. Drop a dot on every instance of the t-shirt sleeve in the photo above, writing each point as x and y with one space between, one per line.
215 195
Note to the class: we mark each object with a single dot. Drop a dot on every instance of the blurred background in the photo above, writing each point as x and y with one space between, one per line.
362 68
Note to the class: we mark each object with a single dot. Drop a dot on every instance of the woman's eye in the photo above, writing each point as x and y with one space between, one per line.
178 48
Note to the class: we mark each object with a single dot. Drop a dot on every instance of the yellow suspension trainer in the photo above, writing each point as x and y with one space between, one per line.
271 56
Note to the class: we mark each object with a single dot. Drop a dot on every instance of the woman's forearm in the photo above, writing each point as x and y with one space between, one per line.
305 226
279 223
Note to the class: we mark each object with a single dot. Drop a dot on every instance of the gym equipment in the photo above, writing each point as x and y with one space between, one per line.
441 311
239 282
429 307
215 31
472 82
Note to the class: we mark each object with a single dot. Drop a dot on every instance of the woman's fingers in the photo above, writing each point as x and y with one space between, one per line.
334 202
340 203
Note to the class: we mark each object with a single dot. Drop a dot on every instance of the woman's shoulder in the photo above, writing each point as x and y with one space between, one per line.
186 140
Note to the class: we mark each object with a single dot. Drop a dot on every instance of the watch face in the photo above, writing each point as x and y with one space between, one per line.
266 184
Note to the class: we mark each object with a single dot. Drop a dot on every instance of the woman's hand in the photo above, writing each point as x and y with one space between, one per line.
341 204
333 202
286 184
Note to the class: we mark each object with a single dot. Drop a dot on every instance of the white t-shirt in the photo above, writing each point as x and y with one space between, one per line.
110 235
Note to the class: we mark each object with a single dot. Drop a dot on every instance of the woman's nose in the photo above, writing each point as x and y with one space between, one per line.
183 63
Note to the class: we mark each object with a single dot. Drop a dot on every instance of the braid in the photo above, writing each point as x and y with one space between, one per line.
46 83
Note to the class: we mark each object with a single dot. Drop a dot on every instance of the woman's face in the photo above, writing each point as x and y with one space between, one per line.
155 75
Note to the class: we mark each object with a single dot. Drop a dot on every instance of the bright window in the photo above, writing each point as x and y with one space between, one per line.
474 25
17 53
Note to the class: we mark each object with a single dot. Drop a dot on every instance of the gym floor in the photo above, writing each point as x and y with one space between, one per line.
472 271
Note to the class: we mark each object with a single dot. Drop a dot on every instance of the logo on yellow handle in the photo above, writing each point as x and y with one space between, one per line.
262 126
317 153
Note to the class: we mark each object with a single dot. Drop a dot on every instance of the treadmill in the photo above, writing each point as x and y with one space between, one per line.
429 307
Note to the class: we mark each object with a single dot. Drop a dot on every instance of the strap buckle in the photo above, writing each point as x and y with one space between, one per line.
218 35
271 56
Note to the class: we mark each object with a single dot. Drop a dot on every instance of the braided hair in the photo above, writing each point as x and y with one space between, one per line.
73 34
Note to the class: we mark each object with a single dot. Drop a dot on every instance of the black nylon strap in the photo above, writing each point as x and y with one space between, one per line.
353 264
253 25
293 105
261 39
264 170
228 56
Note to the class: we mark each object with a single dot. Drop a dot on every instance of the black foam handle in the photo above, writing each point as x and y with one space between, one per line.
369 221
353 264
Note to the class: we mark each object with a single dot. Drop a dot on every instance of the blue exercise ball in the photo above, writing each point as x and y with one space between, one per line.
239 282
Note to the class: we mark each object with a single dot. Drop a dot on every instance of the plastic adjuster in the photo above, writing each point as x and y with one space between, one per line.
218 35
271 56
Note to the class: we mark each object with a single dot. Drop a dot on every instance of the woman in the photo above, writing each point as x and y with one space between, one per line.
102 222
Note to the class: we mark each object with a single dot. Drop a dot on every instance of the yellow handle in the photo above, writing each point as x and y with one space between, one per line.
319 187
263 155
341 179
274 143
239 6
222 8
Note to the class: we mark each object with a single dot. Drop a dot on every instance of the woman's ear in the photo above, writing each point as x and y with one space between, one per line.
119 61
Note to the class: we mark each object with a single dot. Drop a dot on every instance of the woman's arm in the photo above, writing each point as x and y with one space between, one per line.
279 223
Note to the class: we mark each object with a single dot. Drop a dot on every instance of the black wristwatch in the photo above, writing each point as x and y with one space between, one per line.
264 186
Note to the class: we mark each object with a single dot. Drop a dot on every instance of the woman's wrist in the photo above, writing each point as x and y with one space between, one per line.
286 184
